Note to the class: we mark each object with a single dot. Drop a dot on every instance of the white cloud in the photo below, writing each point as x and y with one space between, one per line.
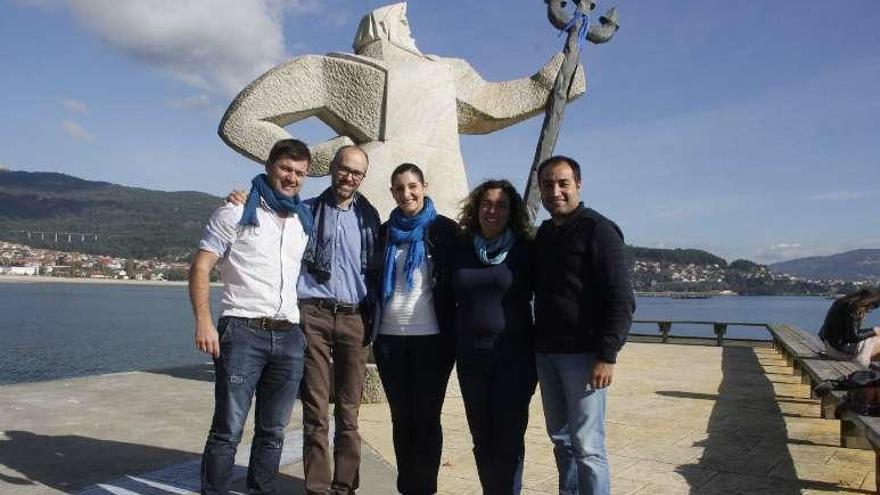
74 106
192 102
786 245
76 131
217 46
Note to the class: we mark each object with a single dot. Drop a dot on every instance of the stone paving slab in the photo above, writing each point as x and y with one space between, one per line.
133 434
681 419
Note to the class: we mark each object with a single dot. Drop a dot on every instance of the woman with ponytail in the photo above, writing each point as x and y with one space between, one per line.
413 330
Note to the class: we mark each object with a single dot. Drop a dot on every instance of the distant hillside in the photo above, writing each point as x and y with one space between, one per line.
861 264
129 221
678 256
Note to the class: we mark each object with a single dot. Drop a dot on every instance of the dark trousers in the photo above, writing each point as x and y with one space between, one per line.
268 363
414 372
337 341
497 387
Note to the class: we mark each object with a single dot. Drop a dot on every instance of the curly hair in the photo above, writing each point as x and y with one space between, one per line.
518 220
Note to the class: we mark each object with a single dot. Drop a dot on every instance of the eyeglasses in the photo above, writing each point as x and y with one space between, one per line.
344 172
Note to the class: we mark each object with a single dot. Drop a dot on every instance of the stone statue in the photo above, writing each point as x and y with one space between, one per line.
398 104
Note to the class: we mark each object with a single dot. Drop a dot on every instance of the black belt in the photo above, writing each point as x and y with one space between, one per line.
332 305
265 323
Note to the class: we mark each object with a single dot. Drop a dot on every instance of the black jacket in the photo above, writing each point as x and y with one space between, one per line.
843 324
493 302
583 295
440 243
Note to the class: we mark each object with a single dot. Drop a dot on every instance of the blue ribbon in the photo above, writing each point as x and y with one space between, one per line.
585 26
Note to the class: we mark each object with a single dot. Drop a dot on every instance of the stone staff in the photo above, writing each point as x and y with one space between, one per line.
577 27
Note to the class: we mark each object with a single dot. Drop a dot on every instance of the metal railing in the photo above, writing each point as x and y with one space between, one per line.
718 327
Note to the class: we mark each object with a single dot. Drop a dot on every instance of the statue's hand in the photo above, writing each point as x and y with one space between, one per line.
547 76
322 155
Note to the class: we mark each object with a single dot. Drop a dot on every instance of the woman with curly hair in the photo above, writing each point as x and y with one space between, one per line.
492 285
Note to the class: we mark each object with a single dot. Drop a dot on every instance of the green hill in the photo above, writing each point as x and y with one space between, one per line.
677 256
128 221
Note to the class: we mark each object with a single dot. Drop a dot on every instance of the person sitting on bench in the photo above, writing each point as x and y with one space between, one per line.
842 333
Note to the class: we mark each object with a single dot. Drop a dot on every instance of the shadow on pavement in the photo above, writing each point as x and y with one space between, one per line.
748 441
201 372
72 464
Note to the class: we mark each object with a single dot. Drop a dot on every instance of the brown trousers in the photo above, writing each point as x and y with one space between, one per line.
338 341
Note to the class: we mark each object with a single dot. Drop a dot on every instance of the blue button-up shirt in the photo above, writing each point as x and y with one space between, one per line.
346 283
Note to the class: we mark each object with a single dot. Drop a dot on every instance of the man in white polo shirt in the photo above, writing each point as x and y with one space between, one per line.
257 344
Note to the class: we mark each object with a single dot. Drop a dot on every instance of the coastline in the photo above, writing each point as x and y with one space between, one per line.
35 279
31 279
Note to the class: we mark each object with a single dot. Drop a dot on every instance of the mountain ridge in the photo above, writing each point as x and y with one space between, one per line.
857 264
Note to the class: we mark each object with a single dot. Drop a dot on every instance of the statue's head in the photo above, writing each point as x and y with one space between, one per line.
386 24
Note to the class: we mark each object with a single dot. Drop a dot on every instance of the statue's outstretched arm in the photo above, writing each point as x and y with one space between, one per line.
285 94
484 106
344 94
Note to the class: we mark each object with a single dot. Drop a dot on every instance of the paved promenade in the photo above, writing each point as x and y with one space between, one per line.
682 419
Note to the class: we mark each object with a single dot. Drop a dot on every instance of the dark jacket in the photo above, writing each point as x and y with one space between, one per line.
493 302
440 243
843 321
368 226
583 295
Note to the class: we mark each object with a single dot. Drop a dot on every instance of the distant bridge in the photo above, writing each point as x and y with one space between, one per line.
46 236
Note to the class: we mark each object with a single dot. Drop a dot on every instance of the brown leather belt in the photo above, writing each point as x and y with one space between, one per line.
332 305
265 323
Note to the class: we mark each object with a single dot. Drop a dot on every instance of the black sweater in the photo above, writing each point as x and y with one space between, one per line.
583 296
493 302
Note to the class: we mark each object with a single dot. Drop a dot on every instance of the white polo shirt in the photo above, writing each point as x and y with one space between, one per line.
259 266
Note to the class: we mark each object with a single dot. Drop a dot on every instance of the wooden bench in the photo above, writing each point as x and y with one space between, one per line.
796 345
805 353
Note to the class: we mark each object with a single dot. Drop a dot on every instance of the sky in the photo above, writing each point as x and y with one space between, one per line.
748 129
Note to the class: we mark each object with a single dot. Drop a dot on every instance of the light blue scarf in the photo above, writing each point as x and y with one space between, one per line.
403 229
500 246
260 188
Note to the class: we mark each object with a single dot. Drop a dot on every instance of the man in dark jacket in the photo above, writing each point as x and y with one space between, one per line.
583 311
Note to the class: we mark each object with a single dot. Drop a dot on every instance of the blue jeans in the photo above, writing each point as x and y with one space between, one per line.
270 363
575 416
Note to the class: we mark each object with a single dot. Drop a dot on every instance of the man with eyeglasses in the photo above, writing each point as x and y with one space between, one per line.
335 291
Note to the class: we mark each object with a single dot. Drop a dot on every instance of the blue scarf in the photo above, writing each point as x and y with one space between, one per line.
260 188
402 229
500 246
